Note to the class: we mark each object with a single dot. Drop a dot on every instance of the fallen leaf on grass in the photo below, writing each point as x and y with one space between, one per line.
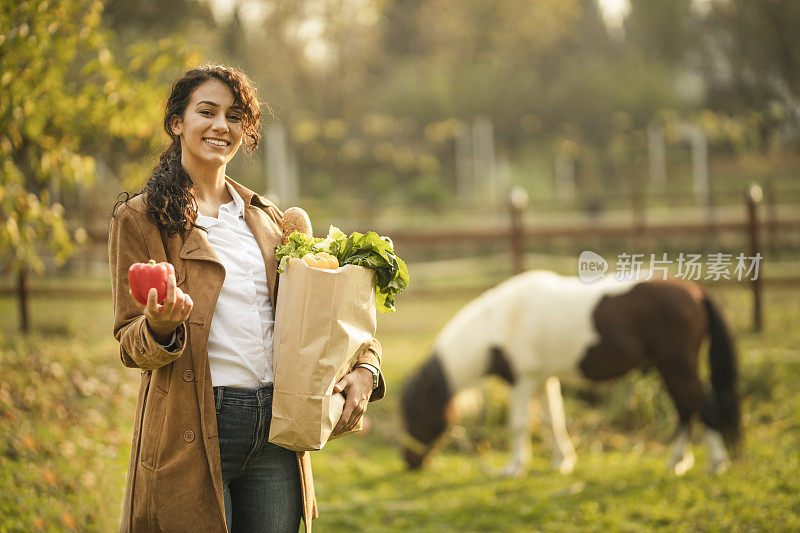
69 520
50 477
28 442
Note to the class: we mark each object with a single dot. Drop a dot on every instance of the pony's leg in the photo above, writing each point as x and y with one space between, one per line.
519 427
564 456
682 458
685 388
717 453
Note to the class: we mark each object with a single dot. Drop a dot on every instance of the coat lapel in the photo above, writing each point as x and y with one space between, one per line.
204 274
197 247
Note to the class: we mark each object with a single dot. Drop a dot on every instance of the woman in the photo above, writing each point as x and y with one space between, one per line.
200 459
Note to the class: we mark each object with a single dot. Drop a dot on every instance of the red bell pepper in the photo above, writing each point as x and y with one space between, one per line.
144 276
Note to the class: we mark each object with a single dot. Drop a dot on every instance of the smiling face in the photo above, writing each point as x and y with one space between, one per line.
210 129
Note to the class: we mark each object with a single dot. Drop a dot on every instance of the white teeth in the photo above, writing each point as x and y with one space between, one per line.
216 142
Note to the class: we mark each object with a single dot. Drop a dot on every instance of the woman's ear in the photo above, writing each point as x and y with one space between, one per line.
176 125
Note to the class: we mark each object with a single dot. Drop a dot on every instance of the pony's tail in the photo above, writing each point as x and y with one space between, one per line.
724 407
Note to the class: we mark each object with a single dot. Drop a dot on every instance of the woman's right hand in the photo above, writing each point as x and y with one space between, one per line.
163 319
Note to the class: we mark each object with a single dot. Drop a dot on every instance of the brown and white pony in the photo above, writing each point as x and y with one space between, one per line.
537 326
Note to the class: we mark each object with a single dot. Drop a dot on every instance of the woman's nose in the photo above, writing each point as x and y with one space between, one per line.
220 123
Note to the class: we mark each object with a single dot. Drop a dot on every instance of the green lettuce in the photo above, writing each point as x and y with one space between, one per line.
297 245
368 250
333 242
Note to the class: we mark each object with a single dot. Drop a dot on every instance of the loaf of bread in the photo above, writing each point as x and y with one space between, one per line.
296 219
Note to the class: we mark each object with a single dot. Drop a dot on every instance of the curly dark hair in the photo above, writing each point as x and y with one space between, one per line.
167 192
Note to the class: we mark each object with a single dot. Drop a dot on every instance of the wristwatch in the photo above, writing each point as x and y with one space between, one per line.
375 373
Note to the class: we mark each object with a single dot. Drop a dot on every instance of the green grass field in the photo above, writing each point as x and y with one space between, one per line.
67 405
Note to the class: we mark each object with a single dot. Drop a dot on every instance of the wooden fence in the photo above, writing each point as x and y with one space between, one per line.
517 234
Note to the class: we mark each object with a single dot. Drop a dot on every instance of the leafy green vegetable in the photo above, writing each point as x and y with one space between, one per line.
332 243
297 245
368 250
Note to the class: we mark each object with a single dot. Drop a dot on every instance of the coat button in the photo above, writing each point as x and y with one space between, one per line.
188 374
188 436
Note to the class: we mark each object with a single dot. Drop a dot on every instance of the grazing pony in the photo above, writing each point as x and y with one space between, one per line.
538 325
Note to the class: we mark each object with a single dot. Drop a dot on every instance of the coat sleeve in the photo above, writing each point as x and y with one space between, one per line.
372 356
137 346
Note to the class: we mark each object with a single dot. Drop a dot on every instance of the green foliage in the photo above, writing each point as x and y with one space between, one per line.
377 158
757 47
297 245
372 251
41 121
661 30
66 102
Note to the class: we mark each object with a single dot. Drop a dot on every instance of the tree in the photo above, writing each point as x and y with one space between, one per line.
63 99
752 62
661 30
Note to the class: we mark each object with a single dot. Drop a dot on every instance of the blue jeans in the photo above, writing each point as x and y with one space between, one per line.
260 481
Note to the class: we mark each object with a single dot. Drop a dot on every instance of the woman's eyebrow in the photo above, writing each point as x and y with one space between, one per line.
235 107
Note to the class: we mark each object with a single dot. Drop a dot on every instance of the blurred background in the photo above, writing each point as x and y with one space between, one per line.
485 137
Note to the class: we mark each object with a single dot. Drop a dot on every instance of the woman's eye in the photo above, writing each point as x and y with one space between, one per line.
206 112
234 117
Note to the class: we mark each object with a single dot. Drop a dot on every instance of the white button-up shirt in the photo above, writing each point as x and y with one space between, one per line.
240 340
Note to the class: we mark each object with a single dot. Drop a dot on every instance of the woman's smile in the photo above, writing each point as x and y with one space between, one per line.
216 142
210 128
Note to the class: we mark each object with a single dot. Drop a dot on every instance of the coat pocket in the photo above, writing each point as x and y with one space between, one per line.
152 427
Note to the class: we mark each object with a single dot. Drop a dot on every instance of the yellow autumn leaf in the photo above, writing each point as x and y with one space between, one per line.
28 442
68 520
50 477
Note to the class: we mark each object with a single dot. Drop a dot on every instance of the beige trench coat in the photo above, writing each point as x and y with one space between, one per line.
174 477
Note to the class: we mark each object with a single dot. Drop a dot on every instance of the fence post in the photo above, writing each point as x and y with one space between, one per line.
753 197
771 199
517 203
638 208
22 296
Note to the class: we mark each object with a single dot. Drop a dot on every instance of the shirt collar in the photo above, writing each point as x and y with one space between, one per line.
236 210
238 203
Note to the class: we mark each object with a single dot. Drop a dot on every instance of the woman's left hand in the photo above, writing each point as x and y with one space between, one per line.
357 388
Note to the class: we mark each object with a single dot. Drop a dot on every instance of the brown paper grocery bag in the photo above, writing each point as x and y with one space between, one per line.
325 321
